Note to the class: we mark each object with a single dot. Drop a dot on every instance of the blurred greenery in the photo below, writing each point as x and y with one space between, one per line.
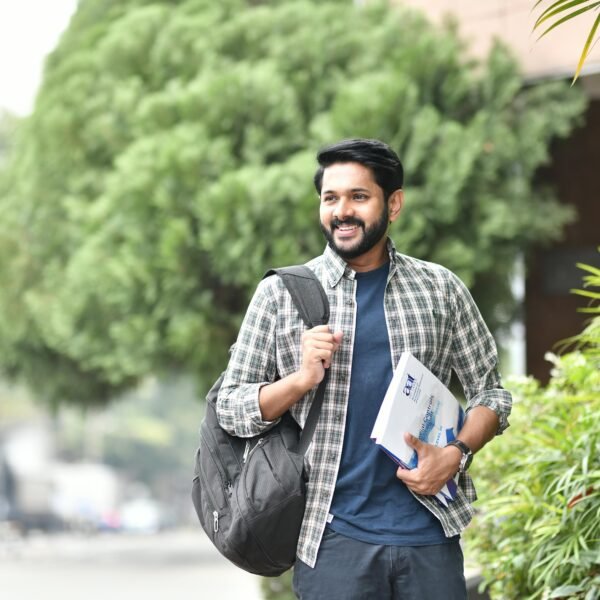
148 436
8 128
539 533
169 158
278 588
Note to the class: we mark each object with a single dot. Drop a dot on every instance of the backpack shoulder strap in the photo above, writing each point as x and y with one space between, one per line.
312 304
307 293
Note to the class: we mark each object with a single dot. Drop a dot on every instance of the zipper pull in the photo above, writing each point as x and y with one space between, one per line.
215 521
246 452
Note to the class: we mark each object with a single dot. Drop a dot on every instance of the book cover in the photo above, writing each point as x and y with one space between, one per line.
419 403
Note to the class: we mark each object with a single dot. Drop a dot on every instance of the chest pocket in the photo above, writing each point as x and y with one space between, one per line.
422 328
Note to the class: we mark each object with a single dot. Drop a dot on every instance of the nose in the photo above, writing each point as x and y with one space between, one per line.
343 209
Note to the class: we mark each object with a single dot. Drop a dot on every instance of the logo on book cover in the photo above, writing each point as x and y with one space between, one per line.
408 386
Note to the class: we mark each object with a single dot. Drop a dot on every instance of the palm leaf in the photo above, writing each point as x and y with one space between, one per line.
562 6
576 8
587 47
590 268
555 4
568 17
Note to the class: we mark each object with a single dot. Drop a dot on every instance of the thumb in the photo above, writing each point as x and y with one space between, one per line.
414 442
337 337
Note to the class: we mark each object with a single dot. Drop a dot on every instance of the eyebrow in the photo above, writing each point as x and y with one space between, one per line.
352 190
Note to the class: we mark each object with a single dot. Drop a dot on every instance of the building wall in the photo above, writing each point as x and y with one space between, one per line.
480 21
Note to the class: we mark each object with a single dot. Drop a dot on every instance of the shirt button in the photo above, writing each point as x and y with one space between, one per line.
332 456
349 302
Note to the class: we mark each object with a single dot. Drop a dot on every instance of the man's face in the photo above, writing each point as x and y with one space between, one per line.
354 216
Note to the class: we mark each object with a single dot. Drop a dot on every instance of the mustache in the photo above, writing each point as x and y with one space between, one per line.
335 222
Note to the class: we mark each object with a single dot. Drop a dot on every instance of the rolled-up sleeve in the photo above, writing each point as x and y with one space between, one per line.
475 357
252 365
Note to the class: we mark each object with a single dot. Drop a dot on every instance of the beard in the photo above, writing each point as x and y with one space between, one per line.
371 235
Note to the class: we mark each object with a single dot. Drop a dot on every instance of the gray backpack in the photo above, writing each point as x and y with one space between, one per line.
250 493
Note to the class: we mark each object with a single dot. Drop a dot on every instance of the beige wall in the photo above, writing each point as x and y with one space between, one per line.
512 20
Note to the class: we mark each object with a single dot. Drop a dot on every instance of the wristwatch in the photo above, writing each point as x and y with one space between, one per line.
467 455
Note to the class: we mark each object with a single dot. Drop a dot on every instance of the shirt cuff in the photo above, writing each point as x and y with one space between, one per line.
500 401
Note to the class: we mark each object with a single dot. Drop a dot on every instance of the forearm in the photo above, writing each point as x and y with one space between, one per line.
277 397
480 427
318 348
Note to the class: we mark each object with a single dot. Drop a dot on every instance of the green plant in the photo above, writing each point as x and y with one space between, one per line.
538 535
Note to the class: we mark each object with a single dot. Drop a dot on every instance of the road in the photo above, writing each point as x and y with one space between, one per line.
179 565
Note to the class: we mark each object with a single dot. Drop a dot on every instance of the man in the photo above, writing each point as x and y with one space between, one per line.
369 531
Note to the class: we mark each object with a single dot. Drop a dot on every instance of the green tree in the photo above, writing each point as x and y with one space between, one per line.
169 158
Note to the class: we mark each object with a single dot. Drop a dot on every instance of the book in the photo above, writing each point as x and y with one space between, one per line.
417 402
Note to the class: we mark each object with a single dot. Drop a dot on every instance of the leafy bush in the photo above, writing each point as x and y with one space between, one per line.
538 536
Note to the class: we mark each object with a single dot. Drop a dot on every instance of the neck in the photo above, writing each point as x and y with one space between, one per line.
371 260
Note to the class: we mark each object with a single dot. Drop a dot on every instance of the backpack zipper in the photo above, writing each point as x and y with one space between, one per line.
215 521
250 448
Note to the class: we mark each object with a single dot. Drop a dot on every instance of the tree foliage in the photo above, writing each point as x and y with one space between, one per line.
169 158
9 124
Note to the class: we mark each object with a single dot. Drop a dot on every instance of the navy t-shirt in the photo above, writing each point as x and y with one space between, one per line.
370 503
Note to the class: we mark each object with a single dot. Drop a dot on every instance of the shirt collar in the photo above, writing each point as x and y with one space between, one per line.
336 267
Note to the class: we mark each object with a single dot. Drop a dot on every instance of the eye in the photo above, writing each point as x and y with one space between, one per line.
329 198
360 196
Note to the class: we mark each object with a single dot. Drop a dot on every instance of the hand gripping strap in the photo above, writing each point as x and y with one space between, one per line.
312 304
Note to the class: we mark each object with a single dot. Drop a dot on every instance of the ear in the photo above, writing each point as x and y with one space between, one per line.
395 204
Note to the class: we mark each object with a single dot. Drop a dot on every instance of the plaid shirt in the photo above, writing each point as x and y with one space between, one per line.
428 311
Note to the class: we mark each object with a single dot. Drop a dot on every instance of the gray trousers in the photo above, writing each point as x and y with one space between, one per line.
347 569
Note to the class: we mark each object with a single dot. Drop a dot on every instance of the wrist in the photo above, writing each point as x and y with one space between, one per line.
466 455
308 378
454 457
304 381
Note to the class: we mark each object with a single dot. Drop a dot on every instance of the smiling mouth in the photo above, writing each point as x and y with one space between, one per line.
348 232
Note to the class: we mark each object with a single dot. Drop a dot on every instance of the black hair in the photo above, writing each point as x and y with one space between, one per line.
377 156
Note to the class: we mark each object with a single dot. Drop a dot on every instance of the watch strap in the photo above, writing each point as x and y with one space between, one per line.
467 454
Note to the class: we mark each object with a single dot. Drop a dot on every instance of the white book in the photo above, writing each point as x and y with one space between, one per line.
419 403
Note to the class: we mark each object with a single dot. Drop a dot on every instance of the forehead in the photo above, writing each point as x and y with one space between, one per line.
344 176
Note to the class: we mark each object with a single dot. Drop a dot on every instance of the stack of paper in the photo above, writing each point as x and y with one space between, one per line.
417 402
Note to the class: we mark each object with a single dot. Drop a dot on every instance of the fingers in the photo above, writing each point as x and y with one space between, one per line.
432 472
319 346
321 342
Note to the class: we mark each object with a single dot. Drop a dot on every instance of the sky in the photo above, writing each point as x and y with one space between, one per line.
29 30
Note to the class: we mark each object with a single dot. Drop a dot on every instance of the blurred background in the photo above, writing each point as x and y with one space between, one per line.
156 157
